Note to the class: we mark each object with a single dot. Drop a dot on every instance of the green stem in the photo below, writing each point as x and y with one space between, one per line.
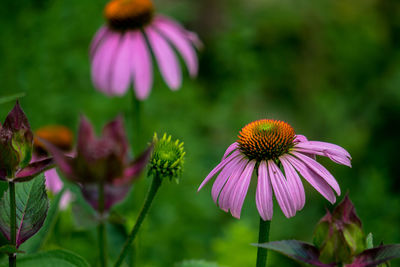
136 124
12 258
101 228
263 236
155 185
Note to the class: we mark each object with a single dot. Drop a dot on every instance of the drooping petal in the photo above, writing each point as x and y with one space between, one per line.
103 62
223 176
33 169
225 197
335 153
264 193
294 183
53 181
313 178
239 192
178 38
282 193
230 149
141 65
97 39
320 170
300 138
120 72
218 168
166 59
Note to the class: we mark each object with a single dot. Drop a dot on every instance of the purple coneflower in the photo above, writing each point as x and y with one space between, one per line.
121 51
266 146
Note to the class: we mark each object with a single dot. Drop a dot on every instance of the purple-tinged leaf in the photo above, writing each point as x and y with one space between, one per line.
297 250
375 256
32 204
114 131
33 169
135 168
64 162
22 136
346 212
9 158
112 194
86 136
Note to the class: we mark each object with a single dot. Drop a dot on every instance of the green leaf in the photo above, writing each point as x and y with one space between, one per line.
10 98
38 240
297 250
196 263
9 249
32 204
59 258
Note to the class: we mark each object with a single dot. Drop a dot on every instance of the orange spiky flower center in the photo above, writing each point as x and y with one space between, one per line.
58 135
128 14
266 139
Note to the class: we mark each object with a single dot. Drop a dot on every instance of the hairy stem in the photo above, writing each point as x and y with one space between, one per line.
102 238
12 258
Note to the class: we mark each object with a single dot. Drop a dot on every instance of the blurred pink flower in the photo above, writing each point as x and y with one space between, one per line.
121 51
264 145
61 137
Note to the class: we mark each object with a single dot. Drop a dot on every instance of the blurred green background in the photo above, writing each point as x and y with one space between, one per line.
331 68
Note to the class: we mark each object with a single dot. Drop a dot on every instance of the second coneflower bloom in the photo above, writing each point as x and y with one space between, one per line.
278 155
121 51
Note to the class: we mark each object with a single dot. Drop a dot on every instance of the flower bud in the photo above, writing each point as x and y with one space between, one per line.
339 235
167 158
16 141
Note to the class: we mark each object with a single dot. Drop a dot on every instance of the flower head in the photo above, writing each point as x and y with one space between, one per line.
16 142
101 160
121 50
265 145
167 158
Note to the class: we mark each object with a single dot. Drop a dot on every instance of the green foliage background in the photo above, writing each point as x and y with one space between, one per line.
331 68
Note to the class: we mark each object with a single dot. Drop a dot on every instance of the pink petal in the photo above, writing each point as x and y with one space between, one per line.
141 65
335 153
177 36
294 183
102 63
166 59
264 193
218 168
300 138
281 190
120 72
239 192
97 39
314 179
224 200
230 149
223 177
320 170
53 181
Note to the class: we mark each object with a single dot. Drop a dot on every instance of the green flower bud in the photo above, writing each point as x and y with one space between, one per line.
167 158
339 235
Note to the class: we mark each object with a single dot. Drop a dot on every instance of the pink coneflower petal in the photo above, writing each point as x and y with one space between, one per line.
218 168
53 181
320 170
223 177
281 189
224 200
103 62
239 192
166 59
264 193
313 178
120 73
230 149
335 153
300 138
141 65
178 38
294 183
97 39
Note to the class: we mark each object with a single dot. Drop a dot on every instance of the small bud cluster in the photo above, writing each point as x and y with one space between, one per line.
167 159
